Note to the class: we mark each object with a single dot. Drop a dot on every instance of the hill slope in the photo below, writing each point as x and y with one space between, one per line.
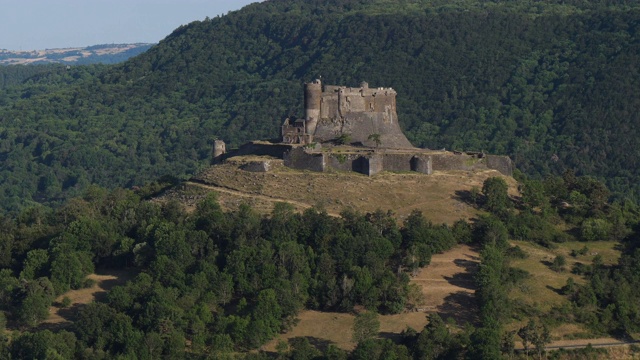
97 54
546 83
438 196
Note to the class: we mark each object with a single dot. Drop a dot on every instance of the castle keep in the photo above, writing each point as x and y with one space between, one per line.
365 122
366 115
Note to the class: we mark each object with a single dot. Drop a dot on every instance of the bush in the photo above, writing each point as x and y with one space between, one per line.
558 263
580 269
343 139
66 302
595 229
87 283
516 252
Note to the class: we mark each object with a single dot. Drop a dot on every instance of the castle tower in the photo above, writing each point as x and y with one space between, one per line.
219 149
312 100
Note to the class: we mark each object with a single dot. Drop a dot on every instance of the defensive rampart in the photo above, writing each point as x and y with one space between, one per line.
374 161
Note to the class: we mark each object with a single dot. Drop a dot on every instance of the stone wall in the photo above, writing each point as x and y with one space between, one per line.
360 112
258 166
297 158
261 149
397 162
371 163
344 162
451 161
422 164
500 163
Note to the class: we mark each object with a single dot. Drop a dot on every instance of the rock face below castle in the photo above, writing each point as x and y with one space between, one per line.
366 116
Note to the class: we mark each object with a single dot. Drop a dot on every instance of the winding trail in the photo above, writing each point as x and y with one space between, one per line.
262 197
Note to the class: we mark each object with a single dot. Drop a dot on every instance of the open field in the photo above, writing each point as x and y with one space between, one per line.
439 196
447 284
104 281
544 282
448 288
542 290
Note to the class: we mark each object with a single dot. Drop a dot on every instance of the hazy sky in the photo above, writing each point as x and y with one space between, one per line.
49 24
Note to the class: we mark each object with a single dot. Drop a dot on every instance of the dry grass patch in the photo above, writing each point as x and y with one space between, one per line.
103 282
438 196
321 328
324 328
542 289
448 287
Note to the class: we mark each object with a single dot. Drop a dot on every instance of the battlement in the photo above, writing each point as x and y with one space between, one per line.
368 117
363 90
359 113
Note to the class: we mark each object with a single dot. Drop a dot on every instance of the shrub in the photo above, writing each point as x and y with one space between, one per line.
88 283
558 263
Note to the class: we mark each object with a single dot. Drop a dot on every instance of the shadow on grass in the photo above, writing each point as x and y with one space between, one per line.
462 279
557 291
298 342
460 306
468 198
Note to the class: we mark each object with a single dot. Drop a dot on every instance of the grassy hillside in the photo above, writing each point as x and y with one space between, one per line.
546 83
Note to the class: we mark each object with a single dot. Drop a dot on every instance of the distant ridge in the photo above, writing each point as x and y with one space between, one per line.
95 54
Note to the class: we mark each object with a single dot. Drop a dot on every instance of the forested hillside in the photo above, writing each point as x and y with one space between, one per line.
216 284
549 83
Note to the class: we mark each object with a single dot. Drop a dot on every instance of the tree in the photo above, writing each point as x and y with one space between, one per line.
266 318
570 287
485 342
33 300
380 349
34 264
558 263
495 191
526 333
375 138
595 229
44 345
536 335
543 337
533 194
366 326
434 341
103 328
301 349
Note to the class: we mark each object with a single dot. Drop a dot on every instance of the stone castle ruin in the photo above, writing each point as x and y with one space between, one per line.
367 116
355 129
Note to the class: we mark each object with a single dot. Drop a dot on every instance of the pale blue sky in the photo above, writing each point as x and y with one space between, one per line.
49 24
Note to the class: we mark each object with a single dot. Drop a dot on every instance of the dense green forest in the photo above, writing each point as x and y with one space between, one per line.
215 284
549 83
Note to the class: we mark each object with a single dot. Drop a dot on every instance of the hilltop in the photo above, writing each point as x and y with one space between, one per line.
544 83
439 196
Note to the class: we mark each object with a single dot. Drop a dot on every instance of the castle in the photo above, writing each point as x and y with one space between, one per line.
355 129
367 116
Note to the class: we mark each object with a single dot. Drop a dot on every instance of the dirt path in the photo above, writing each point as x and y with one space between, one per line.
62 317
582 343
448 286
220 189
